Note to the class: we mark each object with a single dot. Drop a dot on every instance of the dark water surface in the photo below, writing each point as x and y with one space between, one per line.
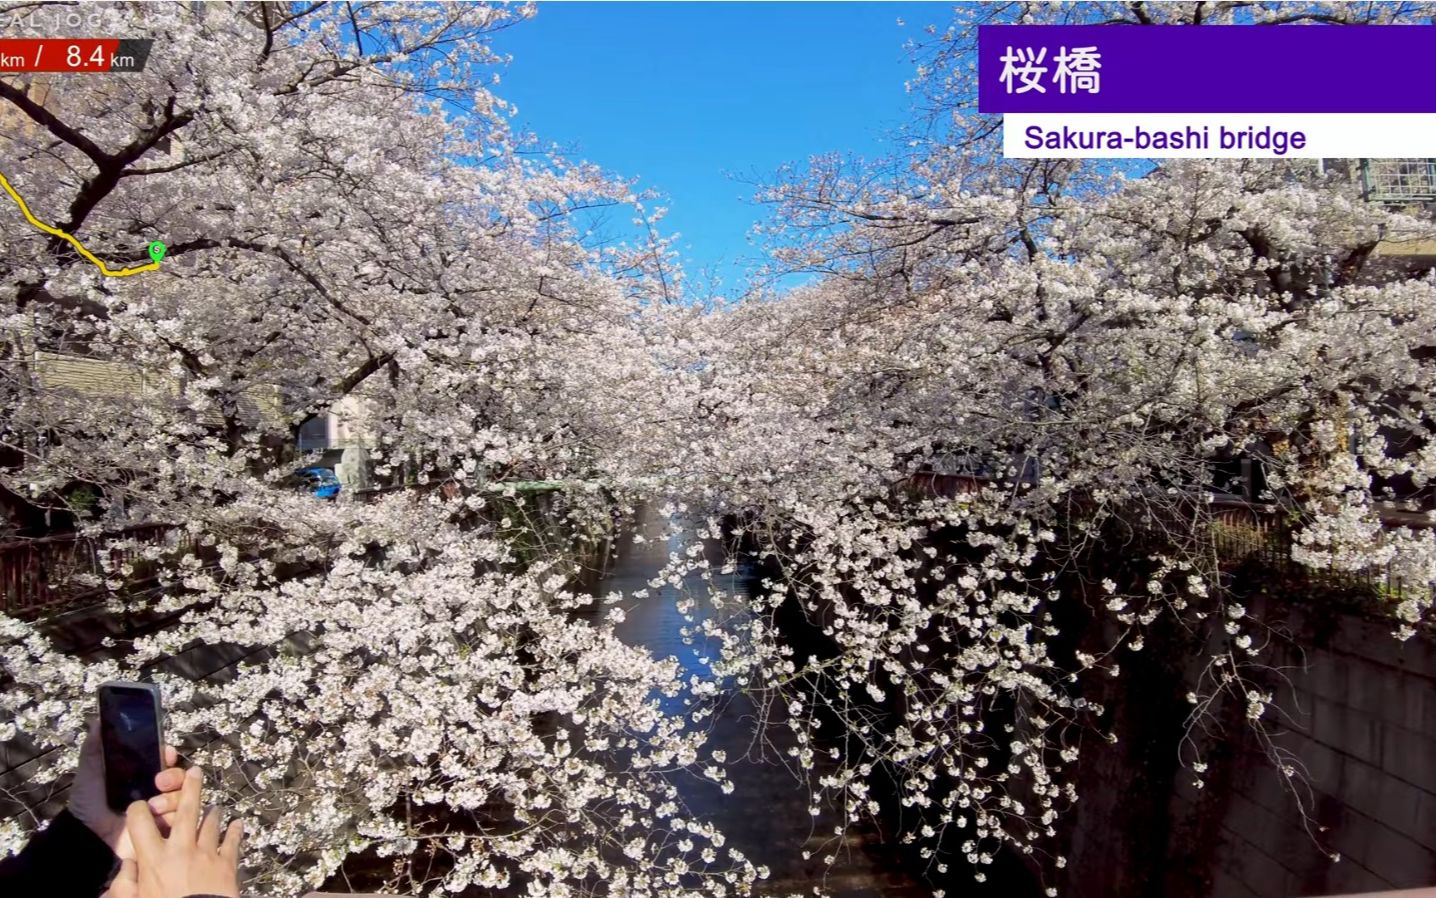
766 817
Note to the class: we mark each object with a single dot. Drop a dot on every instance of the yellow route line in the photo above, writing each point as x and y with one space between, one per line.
106 270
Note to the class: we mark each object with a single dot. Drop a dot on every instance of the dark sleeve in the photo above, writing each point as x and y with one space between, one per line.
65 860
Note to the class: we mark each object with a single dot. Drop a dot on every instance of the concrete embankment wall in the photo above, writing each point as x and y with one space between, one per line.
1357 721
1358 726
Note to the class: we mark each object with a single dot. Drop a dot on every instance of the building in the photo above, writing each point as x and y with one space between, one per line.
345 436
65 364
1408 185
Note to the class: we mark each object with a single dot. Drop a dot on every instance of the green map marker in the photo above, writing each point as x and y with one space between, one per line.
157 251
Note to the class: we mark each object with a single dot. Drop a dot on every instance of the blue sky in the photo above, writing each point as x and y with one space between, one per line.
688 96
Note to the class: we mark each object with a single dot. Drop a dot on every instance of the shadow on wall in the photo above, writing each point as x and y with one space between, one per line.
1360 726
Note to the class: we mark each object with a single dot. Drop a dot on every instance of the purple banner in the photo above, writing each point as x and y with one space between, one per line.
1206 68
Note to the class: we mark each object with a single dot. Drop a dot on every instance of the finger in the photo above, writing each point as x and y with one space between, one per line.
91 745
165 804
169 780
146 837
209 831
165 822
187 813
171 756
229 850
129 872
92 752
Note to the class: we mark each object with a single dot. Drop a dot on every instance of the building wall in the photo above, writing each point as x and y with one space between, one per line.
113 379
352 423
89 377
1419 248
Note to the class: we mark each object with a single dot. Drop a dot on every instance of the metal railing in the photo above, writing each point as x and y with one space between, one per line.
1241 530
1399 181
40 575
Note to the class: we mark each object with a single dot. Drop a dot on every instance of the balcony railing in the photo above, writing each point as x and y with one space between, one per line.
1399 181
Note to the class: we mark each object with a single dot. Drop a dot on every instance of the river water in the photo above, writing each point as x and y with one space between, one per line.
766 816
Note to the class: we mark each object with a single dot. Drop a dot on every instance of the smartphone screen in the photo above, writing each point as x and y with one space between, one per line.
130 738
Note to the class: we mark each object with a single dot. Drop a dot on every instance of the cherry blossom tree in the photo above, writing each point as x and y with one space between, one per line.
1088 355
425 703
347 214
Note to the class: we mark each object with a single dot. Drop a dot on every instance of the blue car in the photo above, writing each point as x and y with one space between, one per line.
322 482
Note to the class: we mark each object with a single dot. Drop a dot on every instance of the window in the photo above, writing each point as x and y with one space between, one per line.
1399 180
314 433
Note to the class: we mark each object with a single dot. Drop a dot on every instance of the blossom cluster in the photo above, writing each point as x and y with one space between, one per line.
420 694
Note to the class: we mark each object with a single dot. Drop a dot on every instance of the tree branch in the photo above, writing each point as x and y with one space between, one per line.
44 117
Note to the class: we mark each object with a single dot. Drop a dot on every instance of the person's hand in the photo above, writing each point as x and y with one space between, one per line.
126 883
89 805
192 861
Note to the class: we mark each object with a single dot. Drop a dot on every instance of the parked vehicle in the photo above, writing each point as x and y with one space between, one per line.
322 482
